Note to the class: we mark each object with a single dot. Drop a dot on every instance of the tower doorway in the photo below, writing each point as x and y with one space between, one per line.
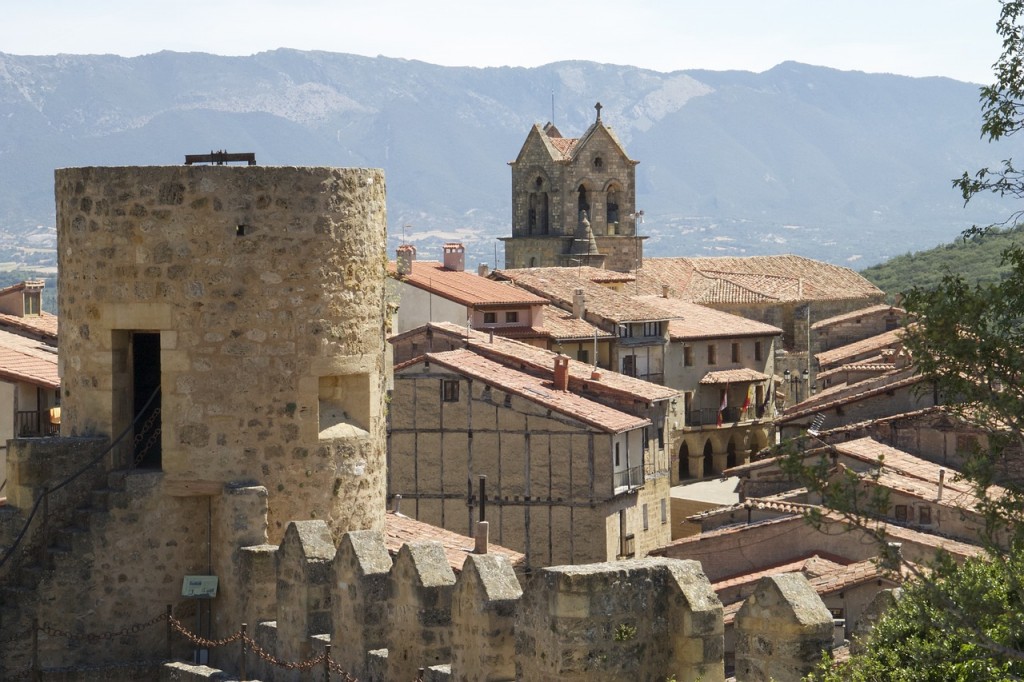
146 450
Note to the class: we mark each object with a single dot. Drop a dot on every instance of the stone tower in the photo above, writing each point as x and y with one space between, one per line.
238 312
574 201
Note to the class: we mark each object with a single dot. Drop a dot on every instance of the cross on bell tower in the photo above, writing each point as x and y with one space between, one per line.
598 107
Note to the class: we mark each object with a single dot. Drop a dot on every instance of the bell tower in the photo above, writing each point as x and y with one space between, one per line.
574 201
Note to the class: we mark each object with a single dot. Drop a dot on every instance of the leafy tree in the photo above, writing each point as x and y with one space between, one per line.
964 622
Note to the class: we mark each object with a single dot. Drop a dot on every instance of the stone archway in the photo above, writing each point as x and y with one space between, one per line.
730 453
684 461
709 458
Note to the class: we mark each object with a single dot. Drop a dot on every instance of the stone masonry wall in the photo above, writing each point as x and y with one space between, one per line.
265 286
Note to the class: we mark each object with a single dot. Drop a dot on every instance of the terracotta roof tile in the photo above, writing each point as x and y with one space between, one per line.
559 285
842 394
694 321
28 360
753 279
463 287
400 530
728 376
854 314
889 339
532 388
540 360
44 324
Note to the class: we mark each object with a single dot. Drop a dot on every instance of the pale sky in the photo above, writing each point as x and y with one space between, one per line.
954 38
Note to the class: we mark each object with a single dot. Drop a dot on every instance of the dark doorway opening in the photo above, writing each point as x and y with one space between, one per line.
709 459
684 461
146 447
730 458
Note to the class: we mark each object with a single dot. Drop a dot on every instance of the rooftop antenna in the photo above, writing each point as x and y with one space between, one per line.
552 106
407 225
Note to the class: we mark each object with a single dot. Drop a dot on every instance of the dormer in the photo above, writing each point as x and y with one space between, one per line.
23 299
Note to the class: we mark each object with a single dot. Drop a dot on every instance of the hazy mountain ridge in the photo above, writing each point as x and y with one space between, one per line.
836 165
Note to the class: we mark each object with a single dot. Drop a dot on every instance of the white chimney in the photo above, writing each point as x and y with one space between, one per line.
406 256
579 304
483 270
454 257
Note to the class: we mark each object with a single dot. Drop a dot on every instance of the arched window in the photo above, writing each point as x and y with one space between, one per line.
531 220
583 204
613 206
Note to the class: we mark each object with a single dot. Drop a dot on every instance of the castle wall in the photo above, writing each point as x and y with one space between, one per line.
265 287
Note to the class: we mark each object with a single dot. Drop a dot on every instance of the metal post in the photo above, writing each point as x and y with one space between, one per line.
483 498
327 663
41 527
241 666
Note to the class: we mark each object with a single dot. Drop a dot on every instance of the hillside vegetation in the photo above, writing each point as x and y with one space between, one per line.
978 259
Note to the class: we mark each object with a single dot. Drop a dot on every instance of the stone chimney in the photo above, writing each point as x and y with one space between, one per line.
405 258
942 484
561 373
454 257
664 291
579 304
483 270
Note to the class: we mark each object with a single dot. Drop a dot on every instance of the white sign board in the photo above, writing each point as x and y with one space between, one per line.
199 586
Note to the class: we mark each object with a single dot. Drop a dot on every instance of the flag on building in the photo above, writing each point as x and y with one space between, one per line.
746 401
725 403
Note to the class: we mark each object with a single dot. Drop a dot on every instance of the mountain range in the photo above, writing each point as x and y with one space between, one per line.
847 167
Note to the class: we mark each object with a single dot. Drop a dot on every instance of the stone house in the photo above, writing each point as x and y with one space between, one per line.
724 365
433 291
785 291
639 331
574 201
854 326
569 479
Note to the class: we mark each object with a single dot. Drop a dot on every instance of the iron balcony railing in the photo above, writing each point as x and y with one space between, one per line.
709 415
630 478
30 423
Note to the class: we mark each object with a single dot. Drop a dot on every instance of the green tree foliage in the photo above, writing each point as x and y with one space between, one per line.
976 258
923 636
966 622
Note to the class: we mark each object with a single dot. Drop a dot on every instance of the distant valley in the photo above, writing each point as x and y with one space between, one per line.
847 167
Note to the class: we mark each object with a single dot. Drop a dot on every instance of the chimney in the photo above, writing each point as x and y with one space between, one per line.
483 270
942 484
406 256
454 257
664 291
579 304
561 373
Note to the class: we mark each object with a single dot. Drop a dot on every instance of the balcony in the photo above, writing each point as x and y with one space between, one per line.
708 416
629 479
33 424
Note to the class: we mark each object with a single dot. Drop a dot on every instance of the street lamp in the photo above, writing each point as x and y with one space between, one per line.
795 381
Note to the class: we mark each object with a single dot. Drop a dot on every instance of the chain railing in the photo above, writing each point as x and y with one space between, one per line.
332 669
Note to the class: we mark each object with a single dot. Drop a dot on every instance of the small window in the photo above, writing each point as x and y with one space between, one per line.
629 365
837 613
712 354
644 512
652 328
924 516
688 356
583 355
617 454
626 331
664 511
646 437
735 352
901 513
757 350
512 317
490 318
508 400
32 299
450 391
598 162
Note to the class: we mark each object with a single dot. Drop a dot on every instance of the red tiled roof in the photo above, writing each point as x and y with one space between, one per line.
559 285
532 388
754 278
44 324
28 360
694 321
728 376
464 287
854 314
562 326
812 566
889 339
400 530
512 352
835 396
